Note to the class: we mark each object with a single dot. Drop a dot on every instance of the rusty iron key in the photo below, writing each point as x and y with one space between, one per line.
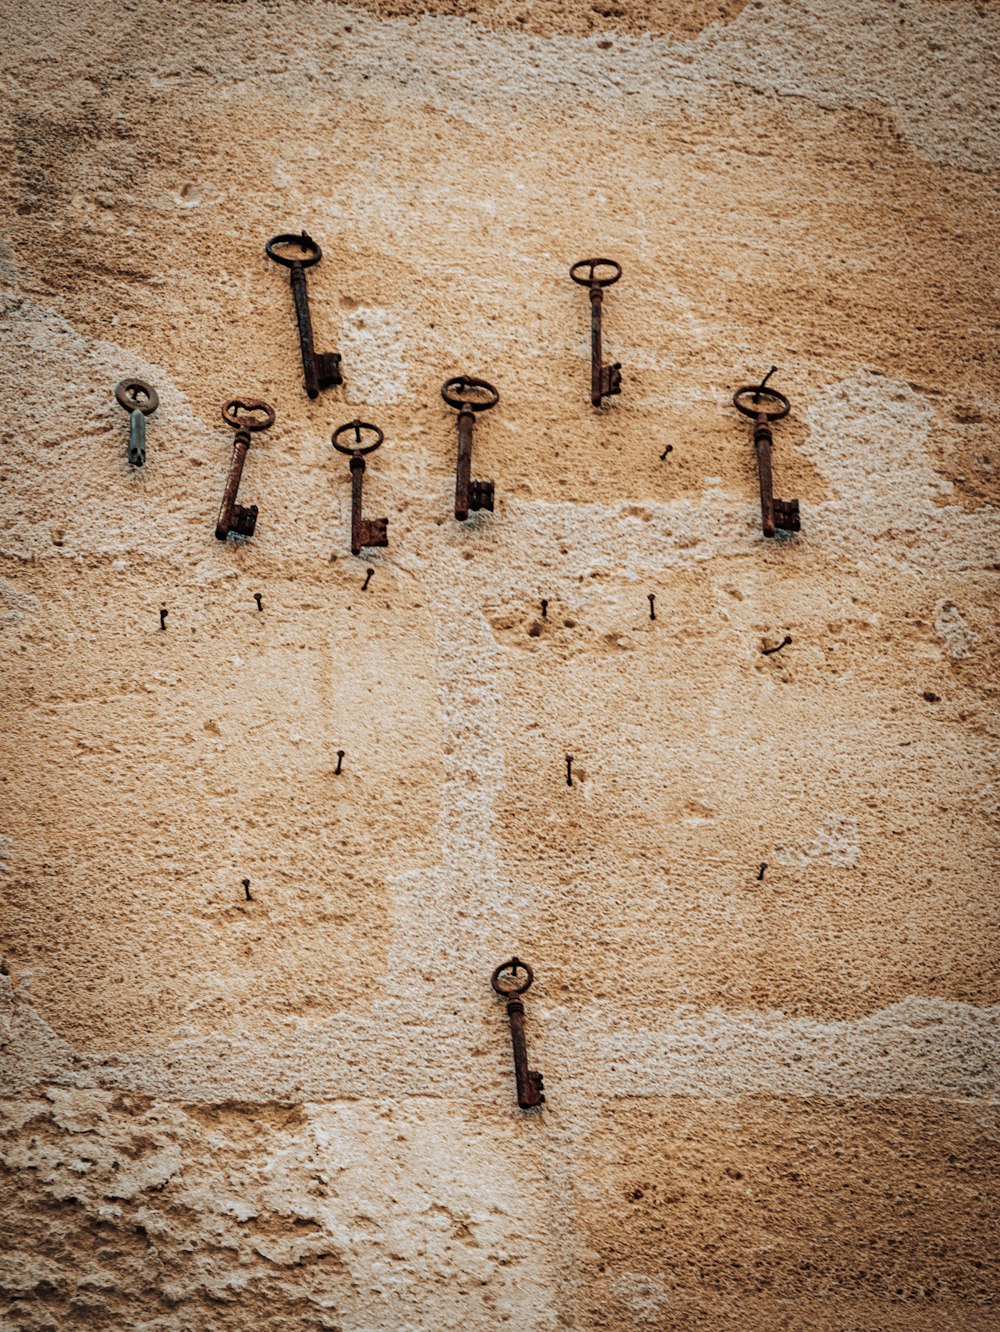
234 517
529 1082
605 380
468 396
321 369
140 401
364 531
774 513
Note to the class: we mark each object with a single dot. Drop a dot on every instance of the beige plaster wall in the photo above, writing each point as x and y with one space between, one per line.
771 1103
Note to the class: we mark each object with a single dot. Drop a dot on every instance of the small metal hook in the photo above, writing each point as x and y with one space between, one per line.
769 652
761 386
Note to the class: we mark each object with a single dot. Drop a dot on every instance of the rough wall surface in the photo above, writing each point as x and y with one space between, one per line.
771 1101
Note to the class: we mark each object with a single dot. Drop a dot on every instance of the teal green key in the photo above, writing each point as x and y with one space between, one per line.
140 401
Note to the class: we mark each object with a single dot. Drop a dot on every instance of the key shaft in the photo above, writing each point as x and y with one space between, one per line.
231 514
762 439
463 470
300 295
364 531
137 438
529 1083
596 367
357 522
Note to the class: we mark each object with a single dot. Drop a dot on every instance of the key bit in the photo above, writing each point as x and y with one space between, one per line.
364 531
529 1081
468 396
321 369
605 380
764 405
140 401
234 517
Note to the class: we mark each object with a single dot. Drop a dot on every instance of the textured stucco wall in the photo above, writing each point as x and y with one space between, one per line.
771 1103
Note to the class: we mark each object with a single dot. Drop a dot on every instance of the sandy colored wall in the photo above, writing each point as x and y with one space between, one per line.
771 1103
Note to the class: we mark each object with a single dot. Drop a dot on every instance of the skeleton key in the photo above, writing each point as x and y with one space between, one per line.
321 369
773 512
234 517
364 531
140 401
605 380
529 1082
458 393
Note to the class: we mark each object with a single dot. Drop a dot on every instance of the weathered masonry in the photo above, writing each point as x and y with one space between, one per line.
273 813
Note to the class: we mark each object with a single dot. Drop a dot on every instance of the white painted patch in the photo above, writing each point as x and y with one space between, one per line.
372 345
836 844
870 437
15 603
400 1192
857 55
960 640
193 194
643 1296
